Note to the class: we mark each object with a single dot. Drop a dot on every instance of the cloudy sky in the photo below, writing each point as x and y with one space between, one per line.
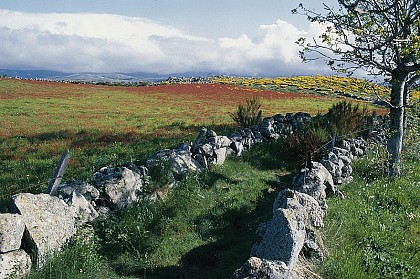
241 37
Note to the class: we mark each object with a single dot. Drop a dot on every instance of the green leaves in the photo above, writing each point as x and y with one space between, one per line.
365 34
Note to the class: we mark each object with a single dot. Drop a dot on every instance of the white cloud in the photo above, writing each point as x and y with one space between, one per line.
113 43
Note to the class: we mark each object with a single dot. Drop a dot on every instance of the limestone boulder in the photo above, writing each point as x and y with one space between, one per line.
341 151
84 209
345 145
256 268
83 197
11 232
358 152
316 182
313 247
220 155
346 171
312 215
283 239
202 160
177 161
267 129
219 141
206 150
121 186
66 190
335 167
237 147
14 264
345 159
184 163
211 134
236 137
307 206
248 138
49 222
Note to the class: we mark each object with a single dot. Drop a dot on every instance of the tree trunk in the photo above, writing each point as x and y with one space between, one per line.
405 103
395 140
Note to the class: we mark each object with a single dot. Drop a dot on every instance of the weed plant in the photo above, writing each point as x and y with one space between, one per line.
248 114
343 120
80 260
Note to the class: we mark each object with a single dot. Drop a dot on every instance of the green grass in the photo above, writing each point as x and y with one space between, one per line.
374 232
206 226
204 229
105 125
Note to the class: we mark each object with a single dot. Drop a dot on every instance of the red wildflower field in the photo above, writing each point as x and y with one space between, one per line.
30 107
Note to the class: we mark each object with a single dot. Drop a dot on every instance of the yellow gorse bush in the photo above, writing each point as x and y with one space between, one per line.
313 84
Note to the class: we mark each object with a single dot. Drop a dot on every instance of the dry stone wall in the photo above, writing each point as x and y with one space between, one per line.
42 224
292 235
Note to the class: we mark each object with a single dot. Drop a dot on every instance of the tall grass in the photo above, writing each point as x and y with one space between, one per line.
249 113
204 229
374 231
344 119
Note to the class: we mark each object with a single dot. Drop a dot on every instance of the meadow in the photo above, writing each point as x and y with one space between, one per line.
206 226
102 125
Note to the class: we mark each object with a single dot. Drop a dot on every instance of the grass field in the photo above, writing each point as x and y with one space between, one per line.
102 125
374 232
206 227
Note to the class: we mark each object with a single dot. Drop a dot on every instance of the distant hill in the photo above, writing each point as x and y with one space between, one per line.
95 77
41 74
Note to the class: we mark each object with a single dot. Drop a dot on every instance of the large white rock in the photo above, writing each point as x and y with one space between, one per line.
307 206
283 239
11 232
219 141
179 161
220 155
81 196
184 163
121 185
84 210
312 215
49 222
295 215
14 264
316 182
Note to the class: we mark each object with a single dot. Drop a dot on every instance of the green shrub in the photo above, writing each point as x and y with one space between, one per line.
307 141
248 114
344 119
347 118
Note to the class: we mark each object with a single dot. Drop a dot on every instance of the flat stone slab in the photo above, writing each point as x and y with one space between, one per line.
49 221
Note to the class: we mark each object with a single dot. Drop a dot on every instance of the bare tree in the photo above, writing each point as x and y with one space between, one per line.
381 37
